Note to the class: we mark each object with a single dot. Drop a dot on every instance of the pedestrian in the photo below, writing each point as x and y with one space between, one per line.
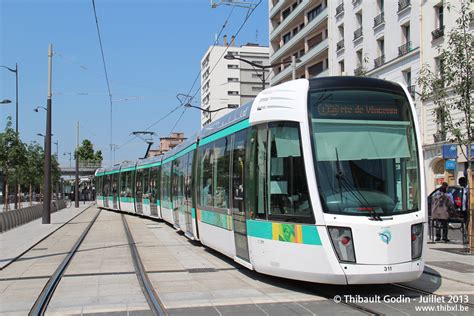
450 195
441 206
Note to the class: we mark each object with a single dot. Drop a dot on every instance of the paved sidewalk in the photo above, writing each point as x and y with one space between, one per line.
15 241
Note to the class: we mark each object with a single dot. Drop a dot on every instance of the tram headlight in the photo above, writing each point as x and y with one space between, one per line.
416 240
341 238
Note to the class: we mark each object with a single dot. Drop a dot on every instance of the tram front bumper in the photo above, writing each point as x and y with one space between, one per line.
381 274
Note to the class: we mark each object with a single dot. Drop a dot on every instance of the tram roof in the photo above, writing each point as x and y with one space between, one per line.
347 82
240 114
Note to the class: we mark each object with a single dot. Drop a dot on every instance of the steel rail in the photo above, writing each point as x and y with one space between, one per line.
151 296
420 291
41 304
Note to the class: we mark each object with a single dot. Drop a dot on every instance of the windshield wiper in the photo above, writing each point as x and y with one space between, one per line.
340 176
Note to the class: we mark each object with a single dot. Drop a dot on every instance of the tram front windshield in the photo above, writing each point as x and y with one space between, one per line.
365 151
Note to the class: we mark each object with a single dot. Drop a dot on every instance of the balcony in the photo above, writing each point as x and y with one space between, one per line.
276 8
359 71
439 32
379 19
403 4
290 18
355 3
339 9
404 49
411 90
379 61
284 49
304 59
358 33
340 45
439 137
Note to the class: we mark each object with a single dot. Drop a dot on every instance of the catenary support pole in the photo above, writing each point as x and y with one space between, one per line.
76 191
47 150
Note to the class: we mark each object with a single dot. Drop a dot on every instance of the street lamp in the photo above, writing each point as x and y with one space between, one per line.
5 101
36 109
16 77
229 106
263 67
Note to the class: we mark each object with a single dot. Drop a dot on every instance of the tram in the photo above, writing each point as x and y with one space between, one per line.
318 180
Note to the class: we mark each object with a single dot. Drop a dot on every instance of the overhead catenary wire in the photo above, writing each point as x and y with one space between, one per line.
188 99
106 75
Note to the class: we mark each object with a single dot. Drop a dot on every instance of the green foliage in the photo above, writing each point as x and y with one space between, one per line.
451 90
24 164
86 153
12 154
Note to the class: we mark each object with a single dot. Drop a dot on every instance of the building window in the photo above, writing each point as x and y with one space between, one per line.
232 79
314 13
315 40
233 92
315 69
232 66
286 38
232 106
256 88
341 67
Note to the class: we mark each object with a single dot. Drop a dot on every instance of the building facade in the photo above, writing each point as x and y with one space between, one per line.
390 40
228 83
298 28
167 143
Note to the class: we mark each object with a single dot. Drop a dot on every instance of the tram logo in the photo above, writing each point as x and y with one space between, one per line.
385 236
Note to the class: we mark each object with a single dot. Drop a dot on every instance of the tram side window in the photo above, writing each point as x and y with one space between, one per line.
238 171
165 185
206 175
146 182
139 181
114 179
123 184
287 185
256 172
153 184
221 166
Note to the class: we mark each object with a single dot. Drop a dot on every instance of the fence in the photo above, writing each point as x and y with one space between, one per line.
14 218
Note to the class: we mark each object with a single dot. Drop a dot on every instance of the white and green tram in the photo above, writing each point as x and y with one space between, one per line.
318 180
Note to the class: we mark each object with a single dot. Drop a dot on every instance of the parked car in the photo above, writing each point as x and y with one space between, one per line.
455 190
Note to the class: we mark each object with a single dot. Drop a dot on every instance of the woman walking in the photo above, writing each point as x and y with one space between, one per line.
441 206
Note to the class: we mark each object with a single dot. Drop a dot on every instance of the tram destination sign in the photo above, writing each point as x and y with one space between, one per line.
334 110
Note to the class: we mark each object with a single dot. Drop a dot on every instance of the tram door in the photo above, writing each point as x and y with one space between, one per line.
106 190
238 210
139 191
188 202
114 179
176 189
153 190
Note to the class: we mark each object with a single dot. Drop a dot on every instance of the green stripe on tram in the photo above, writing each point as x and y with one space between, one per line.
181 153
155 164
193 212
127 199
226 131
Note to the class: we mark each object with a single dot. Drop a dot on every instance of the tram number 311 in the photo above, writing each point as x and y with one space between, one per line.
387 269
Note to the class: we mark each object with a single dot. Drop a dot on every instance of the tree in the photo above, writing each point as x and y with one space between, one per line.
451 90
33 172
12 158
86 153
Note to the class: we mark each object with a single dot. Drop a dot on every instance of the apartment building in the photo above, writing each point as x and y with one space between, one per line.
298 28
227 84
436 22
390 40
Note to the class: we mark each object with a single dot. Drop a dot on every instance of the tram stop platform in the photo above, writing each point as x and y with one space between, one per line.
16 241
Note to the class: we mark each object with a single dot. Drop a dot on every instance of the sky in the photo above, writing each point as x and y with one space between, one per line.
152 51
